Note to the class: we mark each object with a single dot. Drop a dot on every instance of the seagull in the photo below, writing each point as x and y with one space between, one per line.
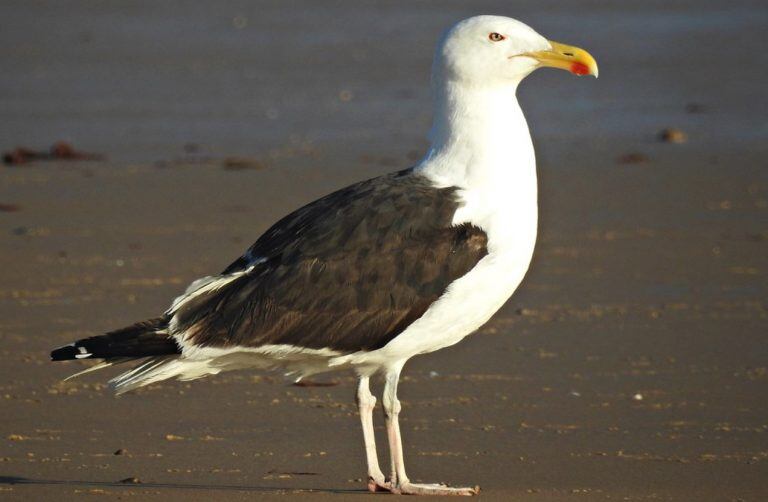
376 273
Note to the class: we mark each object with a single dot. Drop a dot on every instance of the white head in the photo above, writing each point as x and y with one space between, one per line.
479 135
496 50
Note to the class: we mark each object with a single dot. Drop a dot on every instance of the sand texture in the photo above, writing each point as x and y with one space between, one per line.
631 365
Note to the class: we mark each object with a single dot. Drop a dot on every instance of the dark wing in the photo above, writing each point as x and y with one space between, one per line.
147 338
348 272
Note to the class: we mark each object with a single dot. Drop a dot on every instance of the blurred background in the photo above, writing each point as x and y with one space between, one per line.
631 365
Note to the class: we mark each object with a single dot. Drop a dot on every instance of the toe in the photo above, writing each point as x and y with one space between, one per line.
379 485
437 489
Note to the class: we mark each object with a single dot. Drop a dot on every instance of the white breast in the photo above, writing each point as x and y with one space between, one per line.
470 301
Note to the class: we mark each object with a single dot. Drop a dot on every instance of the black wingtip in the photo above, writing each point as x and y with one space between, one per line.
65 353
143 339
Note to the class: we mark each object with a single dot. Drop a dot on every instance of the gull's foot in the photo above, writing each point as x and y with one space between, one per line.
378 484
433 489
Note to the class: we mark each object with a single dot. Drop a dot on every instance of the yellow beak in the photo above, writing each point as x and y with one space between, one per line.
566 57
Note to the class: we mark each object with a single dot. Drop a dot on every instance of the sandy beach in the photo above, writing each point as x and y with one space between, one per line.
632 364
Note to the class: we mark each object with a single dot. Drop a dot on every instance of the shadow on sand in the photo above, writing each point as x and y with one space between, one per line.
14 480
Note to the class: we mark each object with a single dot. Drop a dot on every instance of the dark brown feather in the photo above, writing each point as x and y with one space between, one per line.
348 272
146 338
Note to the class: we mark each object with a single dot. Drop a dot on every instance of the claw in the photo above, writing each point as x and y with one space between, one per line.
379 485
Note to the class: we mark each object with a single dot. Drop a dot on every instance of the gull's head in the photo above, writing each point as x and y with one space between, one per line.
496 50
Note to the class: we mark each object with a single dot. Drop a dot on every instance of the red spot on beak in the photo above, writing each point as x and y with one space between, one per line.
579 69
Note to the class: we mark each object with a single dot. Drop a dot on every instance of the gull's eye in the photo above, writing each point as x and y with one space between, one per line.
496 37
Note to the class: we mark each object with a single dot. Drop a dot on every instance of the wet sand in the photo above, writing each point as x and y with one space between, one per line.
631 365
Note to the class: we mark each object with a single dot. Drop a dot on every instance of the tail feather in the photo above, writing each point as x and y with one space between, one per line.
143 339
148 340
157 369
100 366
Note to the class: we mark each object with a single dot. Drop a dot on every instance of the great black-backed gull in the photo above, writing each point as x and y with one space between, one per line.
371 275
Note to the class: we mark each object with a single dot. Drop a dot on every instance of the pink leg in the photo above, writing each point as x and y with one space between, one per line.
399 480
366 402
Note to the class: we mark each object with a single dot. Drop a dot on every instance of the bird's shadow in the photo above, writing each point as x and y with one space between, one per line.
16 480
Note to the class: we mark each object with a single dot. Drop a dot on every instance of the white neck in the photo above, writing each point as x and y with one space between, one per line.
481 144
479 137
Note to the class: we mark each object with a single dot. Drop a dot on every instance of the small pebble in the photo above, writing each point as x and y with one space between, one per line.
637 397
672 135
121 451
130 481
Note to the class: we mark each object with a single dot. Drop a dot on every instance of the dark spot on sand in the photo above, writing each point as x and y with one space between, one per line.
9 208
293 473
633 158
311 383
18 156
241 163
58 151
